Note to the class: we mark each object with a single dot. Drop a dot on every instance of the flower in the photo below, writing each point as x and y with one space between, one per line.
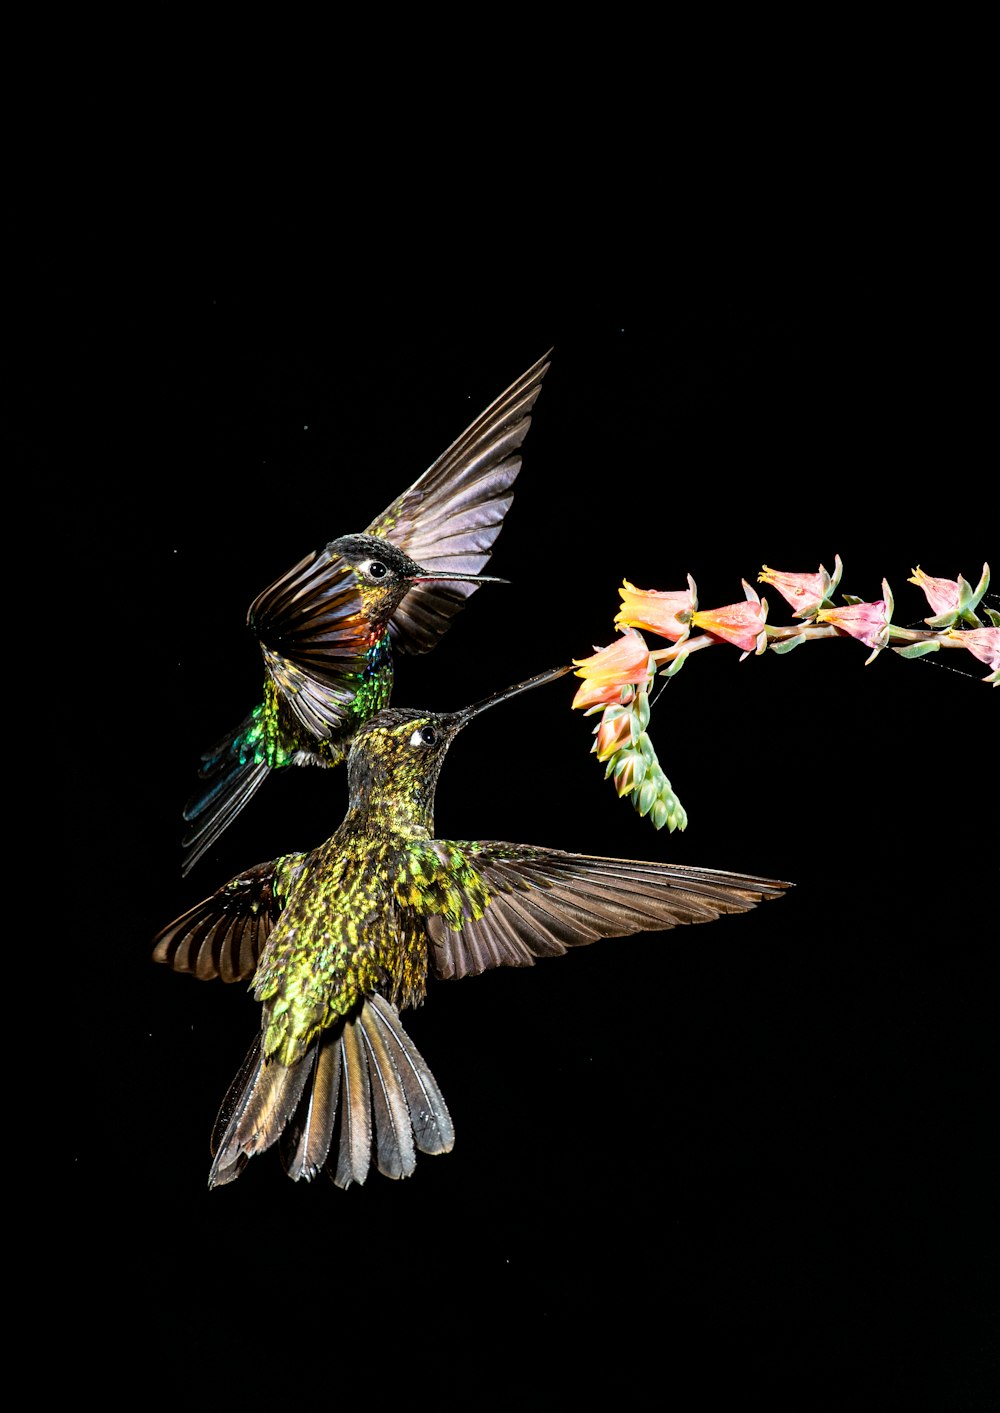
667 613
951 599
739 623
805 592
623 664
614 732
868 622
983 643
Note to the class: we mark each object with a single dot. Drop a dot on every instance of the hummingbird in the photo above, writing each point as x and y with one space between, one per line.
339 940
328 628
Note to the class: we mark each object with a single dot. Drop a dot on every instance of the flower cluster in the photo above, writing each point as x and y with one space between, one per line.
616 683
617 679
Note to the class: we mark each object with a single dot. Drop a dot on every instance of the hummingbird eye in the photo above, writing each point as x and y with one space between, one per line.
423 736
375 569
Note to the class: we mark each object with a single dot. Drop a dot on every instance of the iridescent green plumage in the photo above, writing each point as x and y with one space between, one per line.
328 628
339 940
274 736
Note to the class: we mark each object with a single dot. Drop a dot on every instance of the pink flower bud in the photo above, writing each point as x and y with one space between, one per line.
614 732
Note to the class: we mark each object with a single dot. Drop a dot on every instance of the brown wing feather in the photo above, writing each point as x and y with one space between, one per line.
314 639
450 517
313 613
310 621
544 901
223 935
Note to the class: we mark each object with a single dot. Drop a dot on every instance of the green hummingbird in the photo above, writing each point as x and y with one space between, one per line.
328 628
339 940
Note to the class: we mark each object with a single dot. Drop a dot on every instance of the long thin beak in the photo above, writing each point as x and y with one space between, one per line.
459 578
552 675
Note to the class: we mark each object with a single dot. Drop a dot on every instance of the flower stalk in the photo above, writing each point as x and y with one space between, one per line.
617 679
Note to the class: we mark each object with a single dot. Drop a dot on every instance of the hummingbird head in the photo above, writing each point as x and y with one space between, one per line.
396 755
380 565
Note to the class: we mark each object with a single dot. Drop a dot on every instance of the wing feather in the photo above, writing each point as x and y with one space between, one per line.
543 901
224 935
450 517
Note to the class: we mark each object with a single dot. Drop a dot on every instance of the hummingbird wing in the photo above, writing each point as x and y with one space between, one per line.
448 519
224 935
315 639
504 904
311 619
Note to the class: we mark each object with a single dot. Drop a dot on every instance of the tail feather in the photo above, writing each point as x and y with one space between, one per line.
232 783
305 1144
433 1130
396 1155
356 1112
215 810
254 1112
363 1084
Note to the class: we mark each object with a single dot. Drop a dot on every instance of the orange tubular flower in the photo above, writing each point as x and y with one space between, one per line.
741 624
660 611
623 664
805 592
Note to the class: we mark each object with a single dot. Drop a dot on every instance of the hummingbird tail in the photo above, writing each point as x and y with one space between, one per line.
367 1073
232 783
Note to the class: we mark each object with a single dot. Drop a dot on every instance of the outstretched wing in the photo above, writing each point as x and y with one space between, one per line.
224 935
448 519
511 903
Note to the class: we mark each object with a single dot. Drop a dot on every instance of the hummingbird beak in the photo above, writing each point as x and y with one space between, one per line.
459 578
539 680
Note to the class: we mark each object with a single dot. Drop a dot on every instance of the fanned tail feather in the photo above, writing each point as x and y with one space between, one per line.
362 1085
255 1112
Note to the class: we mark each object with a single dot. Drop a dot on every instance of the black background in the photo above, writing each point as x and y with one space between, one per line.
756 1156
